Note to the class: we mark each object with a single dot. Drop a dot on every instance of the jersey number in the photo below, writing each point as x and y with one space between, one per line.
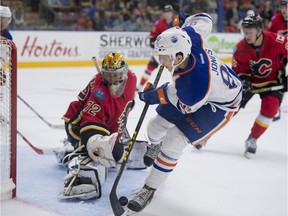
92 108
227 77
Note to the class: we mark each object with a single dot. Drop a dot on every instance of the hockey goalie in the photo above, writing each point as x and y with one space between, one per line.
96 130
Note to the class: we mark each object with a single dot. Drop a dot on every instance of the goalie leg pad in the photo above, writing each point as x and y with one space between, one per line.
63 151
83 181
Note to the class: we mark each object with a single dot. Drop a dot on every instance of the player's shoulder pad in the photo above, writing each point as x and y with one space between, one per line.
201 22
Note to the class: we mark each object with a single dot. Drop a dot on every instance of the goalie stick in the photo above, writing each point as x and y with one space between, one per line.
45 121
36 149
94 60
40 151
117 208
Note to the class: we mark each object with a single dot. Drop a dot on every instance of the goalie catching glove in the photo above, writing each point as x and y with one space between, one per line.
100 149
154 95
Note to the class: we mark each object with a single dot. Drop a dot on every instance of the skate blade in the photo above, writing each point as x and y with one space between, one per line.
130 212
248 155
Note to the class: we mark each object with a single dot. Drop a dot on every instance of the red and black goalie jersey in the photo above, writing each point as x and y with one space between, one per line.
97 111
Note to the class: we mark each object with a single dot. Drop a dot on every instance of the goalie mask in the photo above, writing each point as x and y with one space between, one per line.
114 73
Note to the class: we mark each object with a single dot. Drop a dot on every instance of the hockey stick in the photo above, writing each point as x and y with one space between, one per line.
46 122
36 149
272 88
94 60
117 208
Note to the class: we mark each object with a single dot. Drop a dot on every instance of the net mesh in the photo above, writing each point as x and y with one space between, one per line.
7 184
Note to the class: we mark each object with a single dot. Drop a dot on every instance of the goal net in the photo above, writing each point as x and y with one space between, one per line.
8 116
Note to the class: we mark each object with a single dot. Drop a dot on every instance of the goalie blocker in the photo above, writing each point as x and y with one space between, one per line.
87 173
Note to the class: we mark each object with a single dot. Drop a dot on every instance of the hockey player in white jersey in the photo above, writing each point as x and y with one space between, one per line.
203 97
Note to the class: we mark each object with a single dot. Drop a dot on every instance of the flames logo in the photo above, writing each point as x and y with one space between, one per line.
261 68
122 121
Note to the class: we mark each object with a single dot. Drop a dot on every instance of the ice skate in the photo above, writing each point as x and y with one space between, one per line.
151 154
250 146
277 116
141 199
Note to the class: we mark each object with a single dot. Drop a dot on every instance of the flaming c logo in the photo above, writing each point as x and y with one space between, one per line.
261 68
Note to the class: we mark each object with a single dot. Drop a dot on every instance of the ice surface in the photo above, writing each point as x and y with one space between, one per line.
216 181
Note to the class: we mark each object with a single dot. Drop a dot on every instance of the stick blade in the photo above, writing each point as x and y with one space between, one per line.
117 208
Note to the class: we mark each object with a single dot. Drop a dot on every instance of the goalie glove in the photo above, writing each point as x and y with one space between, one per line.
100 149
154 96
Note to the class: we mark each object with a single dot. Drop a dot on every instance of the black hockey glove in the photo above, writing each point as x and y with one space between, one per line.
152 42
246 83
247 94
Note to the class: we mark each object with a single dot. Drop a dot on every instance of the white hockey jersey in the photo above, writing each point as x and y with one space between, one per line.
205 79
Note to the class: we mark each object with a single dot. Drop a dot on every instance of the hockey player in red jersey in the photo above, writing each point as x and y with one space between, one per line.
258 60
94 124
279 22
159 26
279 25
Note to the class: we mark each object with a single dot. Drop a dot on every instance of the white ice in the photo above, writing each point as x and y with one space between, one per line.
216 181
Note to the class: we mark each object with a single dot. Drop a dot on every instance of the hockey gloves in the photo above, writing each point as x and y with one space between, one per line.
152 42
179 19
246 83
246 92
154 96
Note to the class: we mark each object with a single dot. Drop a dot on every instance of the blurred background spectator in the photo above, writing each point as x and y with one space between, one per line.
18 15
129 15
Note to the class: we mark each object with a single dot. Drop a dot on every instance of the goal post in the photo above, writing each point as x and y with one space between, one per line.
8 117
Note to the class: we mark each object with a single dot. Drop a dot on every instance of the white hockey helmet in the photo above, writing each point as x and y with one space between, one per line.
172 41
250 13
5 12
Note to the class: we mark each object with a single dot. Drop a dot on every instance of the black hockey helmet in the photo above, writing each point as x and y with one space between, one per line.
284 3
252 22
168 8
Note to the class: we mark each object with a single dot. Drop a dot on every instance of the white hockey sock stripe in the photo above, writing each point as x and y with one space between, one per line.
263 121
164 163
